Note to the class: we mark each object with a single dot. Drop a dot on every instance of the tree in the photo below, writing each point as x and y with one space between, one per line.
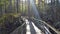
3 6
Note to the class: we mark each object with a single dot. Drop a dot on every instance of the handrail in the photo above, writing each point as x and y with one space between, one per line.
58 32
19 27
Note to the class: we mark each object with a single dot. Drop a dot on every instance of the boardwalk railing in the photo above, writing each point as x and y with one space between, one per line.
20 29
55 30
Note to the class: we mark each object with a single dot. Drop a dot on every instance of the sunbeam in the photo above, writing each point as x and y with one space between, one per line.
34 9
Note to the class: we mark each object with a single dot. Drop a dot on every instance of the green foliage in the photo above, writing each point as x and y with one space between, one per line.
6 16
2 2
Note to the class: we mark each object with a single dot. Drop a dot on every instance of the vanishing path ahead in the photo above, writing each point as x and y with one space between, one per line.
30 29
